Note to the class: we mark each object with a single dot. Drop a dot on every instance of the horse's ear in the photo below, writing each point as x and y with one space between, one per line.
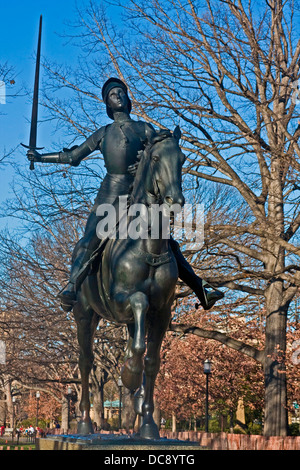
177 133
150 132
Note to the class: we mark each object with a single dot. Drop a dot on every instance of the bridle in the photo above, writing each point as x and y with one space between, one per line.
156 197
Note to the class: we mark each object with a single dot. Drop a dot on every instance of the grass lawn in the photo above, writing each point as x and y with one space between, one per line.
7 442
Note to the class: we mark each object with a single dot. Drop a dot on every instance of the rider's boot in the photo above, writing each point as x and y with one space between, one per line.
68 295
207 294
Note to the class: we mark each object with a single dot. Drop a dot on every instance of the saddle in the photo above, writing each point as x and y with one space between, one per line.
91 265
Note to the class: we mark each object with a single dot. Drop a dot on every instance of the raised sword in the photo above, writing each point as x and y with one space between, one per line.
34 113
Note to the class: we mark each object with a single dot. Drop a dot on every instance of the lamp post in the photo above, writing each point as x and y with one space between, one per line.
207 371
120 384
13 414
37 407
13 417
69 396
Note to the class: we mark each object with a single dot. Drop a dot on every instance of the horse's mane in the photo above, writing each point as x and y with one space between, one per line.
162 134
143 158
143 155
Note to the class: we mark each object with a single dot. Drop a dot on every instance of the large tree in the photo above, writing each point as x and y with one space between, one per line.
227 71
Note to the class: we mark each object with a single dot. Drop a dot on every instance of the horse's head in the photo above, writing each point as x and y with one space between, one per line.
163 178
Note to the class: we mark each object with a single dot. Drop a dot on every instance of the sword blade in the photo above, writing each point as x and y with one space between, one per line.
34 114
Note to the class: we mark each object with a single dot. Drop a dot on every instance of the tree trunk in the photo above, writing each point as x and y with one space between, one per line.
9 402
274 367
128 413
65 415
156 414
98 407
98 380
2 409
173 422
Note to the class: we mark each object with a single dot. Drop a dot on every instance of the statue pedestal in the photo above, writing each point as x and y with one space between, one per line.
112 442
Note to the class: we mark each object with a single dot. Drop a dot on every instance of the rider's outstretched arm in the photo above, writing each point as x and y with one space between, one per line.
73 156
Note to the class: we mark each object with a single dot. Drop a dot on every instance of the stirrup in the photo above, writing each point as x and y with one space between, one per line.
67 299
66 303
67 307
210 297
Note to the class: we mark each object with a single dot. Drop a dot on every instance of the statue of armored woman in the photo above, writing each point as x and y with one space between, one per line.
120 143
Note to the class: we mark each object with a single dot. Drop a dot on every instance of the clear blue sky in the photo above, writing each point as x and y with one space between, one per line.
19 21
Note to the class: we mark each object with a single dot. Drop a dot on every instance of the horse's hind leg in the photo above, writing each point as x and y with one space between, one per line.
132 372
87 321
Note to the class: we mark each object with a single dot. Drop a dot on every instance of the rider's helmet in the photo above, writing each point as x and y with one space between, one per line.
109 85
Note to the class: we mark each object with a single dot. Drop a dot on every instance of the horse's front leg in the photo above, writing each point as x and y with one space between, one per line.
157 329
132 371
86 326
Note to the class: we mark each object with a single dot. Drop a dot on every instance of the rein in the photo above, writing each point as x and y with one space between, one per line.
153 260
156 197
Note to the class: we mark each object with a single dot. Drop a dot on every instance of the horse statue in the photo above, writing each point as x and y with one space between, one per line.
133 283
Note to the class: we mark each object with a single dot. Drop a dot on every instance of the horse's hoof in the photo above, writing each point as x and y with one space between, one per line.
85 427
149 430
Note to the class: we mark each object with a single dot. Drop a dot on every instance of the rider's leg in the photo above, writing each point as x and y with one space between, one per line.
201 288
86 246
82 252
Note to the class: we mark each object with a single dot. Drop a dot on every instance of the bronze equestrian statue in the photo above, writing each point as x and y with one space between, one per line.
119 143
129 281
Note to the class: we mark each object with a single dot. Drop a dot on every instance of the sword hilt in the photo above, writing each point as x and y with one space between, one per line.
31 167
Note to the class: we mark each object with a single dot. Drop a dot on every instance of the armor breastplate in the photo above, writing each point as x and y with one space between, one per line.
120 146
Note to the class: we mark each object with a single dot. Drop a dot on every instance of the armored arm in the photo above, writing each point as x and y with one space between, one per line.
72 156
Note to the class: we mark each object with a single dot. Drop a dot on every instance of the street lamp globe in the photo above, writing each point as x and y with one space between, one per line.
207 366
